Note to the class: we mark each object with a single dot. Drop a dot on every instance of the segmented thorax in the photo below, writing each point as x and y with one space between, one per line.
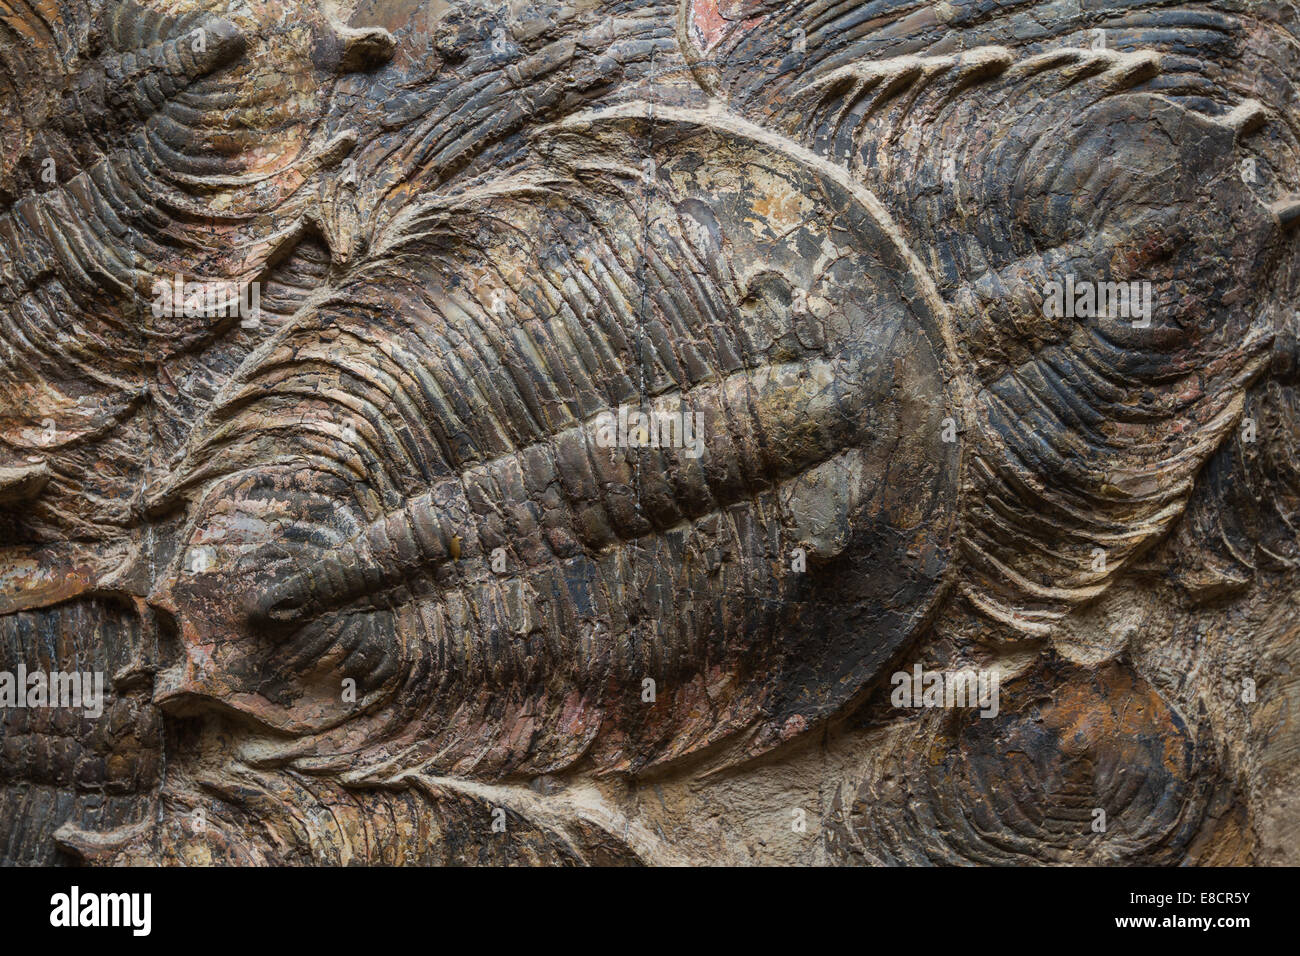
161 150
507 535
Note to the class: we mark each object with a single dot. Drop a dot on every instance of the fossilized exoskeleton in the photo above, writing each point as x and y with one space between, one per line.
641 387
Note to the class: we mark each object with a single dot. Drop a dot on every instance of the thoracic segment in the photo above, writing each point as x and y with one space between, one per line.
807 411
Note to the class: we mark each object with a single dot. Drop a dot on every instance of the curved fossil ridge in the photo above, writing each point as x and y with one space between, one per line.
135 145
457 109
1080 766
261 818
58 764
1243 517
70 269
1013 169
757 53
173 158
472 361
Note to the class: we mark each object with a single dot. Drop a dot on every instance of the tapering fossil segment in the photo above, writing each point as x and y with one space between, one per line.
639 395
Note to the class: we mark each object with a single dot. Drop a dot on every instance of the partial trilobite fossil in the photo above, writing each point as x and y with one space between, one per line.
641 387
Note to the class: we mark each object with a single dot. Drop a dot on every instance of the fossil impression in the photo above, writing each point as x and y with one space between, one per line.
712 431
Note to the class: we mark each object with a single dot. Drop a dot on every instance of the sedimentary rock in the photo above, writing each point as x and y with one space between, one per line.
646 418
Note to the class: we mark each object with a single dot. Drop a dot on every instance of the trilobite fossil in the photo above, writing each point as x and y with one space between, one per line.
382 552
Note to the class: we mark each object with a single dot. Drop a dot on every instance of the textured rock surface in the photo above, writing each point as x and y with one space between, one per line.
366 578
